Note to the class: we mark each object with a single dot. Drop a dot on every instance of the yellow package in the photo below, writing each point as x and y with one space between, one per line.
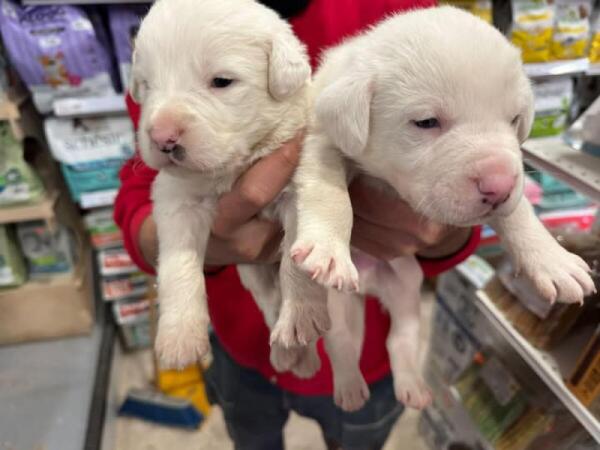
481 8
594 53
572 29
533 22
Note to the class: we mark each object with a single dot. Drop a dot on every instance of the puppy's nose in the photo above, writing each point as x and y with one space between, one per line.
495 189
165 137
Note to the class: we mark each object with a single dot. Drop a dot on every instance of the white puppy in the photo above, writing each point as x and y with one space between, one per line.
222 83
435 103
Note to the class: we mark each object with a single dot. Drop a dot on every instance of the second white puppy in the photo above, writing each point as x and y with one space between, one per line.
435 103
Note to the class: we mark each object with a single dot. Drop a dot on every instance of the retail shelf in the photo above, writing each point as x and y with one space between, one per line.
43 210
97 199
89 106
566 67
579 170
594 69
544 364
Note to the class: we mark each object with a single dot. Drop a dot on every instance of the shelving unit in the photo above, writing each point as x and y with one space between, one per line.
98 199
545 365
566 67
575 168
90 106
43 210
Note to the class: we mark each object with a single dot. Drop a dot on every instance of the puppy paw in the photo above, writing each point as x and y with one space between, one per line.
308 362
181 341
329 263
559 275
411 390
351 391
300 323
283 359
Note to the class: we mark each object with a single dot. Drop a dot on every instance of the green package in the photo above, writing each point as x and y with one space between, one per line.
12 266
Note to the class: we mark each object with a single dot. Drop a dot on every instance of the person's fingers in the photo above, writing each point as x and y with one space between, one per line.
256 188
254 241
396 241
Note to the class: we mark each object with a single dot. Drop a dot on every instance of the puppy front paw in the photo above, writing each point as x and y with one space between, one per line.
411 390
300 323
181 341
351 391
559 275
329 263
308 362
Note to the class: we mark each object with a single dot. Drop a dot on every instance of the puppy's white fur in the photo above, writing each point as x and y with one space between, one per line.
438 63
181 47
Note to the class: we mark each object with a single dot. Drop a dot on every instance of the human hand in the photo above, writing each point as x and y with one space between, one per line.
386 227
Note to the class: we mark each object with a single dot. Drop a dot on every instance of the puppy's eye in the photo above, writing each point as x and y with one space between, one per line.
221 83
427 124
515 120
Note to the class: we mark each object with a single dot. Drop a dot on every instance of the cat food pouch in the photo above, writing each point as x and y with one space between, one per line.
56 50
124 21
532 27
572 29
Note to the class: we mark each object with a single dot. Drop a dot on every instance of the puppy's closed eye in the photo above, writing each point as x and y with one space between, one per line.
427 124
221 82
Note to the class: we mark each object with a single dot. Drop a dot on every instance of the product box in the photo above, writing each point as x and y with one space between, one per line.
585 381
115 261
46 252
133 318
12 266
120 287
104 232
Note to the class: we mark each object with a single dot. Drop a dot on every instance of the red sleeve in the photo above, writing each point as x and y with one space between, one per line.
433 267
133 204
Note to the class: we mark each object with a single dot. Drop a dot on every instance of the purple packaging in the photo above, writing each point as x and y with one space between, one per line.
124 21
57 52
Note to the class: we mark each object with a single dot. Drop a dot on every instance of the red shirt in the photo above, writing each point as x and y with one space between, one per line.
235 317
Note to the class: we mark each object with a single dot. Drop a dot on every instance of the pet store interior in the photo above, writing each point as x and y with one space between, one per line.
507 369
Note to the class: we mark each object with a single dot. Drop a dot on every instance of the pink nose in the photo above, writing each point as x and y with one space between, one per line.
496 188
165 136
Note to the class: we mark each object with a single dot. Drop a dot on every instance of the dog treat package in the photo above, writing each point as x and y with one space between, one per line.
531 31
57 51
594 53
124 21
91 151
103 230
45 252
12 267
18 181
553 98
572 29
481 8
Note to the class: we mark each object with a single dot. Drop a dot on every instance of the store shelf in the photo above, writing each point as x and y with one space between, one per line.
43 210
567 67
579 170
98 199
594 70
89 106
544 364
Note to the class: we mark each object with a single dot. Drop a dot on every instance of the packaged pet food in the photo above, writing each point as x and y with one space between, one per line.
12 267
56 50
532 27
553 98
594 53
18 182
91 151
103 230
45 252
572 29
481 8
134 285
124 21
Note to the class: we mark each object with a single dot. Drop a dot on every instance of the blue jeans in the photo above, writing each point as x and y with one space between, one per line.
256 410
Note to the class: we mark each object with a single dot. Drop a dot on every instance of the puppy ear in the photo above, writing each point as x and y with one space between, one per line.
526 122
343 109
288 66
135 87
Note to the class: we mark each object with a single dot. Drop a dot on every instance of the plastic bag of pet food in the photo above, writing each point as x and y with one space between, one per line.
12 266
56 50
572 29
18 182
45 252
533 23
594 53
553 98
91 151
480 8
124 21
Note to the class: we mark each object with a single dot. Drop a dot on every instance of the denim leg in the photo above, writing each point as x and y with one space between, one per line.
253 408
366 429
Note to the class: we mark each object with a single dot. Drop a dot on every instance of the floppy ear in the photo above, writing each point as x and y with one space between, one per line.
524 127
288 66
344 109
